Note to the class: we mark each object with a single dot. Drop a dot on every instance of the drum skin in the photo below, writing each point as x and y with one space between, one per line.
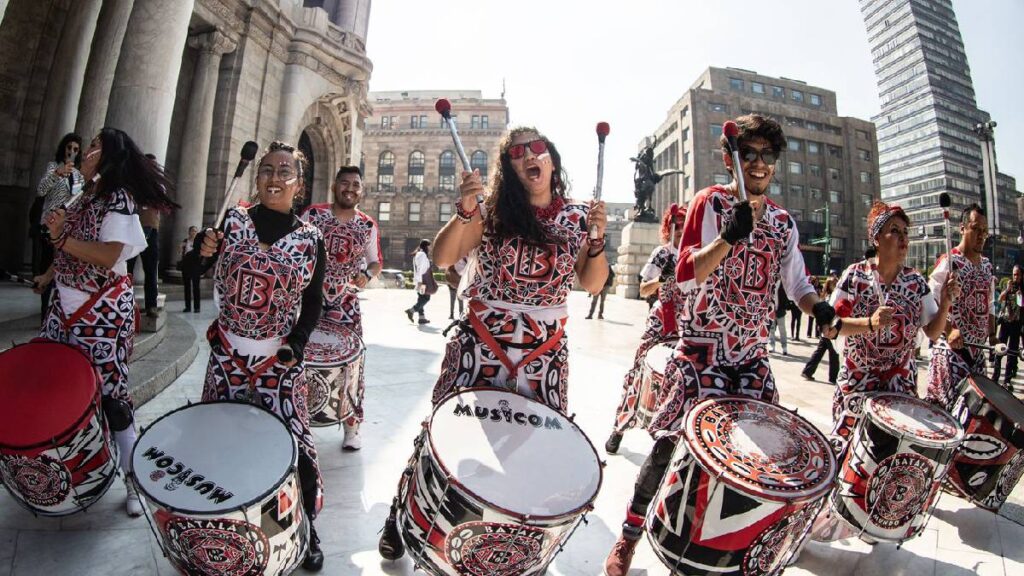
221 520
652 380
990 461
450 529
892 470
744 485
333 360
57 456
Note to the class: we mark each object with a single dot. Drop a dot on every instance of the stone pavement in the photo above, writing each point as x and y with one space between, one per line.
402 364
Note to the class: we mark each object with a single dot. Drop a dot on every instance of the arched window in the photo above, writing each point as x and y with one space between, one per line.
479 162
446 171
386 170
416 164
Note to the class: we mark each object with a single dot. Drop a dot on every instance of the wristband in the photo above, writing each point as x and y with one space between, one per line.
595 254
595 242
464 216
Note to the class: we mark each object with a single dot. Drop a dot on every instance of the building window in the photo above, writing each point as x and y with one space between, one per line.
796 168
385 122
794 145
385 182
685 135
838 243
774 189
796 95
446 182
834 197
446 170
815 170
416 181
867 200
813 147
414 211
686 158
813 126
686 182
796 191
416 164
722 178
816 194
414 121
474 121
757 87
478 161
384 211
862 135
865 177
736 84
386 171
817 217
815 100
835 151
716 131
834 174
484 122
778 92
444 211
444 122
864 154
717 107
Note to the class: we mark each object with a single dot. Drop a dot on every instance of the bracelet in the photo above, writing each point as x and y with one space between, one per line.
595 242
59 241
464 216
595 254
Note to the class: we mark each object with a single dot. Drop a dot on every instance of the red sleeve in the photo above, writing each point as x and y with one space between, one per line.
693 236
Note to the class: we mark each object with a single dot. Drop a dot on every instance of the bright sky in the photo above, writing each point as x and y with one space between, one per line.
568 64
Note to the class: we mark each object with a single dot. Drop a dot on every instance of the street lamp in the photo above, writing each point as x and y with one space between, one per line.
986 133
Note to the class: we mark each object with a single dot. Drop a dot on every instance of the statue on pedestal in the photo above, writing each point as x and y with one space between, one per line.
644 180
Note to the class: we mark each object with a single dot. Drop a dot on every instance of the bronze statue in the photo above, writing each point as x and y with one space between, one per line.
644 180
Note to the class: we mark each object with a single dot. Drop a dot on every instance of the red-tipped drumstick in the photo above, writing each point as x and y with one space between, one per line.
945 202
444 108
732 132
602 131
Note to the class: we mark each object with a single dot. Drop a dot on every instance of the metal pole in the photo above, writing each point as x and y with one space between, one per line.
828 237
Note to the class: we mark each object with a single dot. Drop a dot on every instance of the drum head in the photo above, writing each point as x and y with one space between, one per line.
212 457
657 358
1000 398
908 416
46 388
515 453
760 449
332 344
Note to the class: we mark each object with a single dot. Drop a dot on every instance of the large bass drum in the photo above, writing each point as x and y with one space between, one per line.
334 361
500 481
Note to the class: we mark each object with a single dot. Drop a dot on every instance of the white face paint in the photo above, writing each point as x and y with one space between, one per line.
291 181
93 153
545 157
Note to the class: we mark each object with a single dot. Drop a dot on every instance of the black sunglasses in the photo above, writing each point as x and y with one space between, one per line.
767 155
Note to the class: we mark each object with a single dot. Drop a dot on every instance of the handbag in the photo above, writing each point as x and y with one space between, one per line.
429 284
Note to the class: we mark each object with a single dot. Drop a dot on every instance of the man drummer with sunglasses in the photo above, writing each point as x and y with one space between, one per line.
734 255
352 242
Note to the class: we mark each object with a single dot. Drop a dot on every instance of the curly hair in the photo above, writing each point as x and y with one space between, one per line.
123 165
300 164
756 126
508 205
59 155
666 220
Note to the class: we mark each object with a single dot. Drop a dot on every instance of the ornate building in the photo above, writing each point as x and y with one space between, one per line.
411 168
189 80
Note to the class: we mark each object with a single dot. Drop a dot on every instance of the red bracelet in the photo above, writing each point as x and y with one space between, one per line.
464 216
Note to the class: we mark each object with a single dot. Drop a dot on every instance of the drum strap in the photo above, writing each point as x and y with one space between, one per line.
492 343
216 332
118 282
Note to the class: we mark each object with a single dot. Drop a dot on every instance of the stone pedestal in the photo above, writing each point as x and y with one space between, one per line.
638 241
150 324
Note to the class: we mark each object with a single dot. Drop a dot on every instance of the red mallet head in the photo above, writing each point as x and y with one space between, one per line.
443 106
730 130
673 210
602 130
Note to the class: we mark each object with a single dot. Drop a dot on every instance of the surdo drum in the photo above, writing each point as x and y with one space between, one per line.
499 483
891 473
220 483
333 358
990 461
652 380
56 453
744 485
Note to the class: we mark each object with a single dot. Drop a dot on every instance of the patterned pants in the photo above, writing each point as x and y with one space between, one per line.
105 332
947 369
349 315
475 356
282 390
625 415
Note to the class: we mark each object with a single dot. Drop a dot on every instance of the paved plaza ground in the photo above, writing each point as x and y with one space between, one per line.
402 363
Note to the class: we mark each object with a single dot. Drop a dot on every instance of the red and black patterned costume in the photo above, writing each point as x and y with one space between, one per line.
662 326
351 246
513 330
260 292
970 315
883 360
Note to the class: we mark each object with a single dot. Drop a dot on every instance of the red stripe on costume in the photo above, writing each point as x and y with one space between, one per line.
692 238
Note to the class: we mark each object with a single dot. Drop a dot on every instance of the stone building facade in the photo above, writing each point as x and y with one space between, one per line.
411 170
190 81
831 159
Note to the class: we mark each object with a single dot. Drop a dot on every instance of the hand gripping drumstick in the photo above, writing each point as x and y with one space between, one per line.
444 108
731 132
602 130
11 277
945 203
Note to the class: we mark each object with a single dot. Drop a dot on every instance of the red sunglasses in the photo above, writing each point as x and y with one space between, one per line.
517 151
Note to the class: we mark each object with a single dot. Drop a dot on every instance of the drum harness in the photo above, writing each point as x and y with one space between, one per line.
477 326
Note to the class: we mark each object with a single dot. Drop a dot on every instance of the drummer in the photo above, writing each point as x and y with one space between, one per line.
662 321
352 241
729 308
525 254
971 322
268 286
93 306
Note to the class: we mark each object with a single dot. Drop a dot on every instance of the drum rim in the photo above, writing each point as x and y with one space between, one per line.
773 495
94 405
868 416
524 518
355 358
972 385
292 468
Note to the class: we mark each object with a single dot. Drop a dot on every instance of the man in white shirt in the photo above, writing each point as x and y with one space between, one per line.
421 267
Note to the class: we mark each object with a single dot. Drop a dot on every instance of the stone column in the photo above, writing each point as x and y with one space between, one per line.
195 145
60 105
638 240
99 74
146 78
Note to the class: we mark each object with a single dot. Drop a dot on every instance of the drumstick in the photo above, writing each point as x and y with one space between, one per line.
999 349
10 277
602 130
444 108
731 132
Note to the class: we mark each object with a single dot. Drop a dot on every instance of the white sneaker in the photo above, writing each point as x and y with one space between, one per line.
133 506
352 439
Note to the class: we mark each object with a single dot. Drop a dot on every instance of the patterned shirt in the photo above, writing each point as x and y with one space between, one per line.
970 311
351 246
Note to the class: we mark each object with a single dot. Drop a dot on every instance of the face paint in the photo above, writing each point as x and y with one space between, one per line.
93 153
291 181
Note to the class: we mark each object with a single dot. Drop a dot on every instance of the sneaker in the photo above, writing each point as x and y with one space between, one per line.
352 441
611 446
408 313
314 560
133 506
391 546
621 556
423 320
600 316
